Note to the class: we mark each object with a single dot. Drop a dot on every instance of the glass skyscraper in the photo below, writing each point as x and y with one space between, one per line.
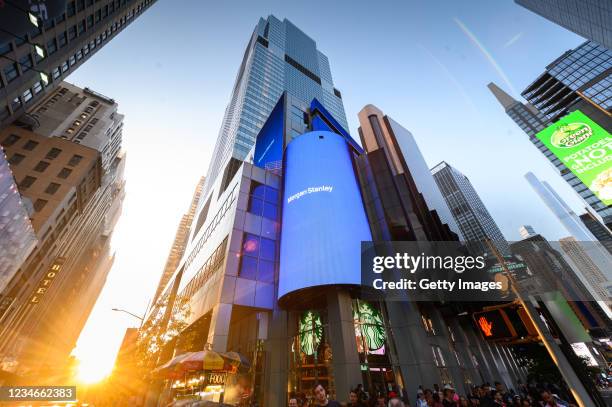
470 213
579 79
582 73
278 58
591 19
17 238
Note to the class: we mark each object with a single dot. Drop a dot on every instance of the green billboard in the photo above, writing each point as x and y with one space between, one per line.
585 148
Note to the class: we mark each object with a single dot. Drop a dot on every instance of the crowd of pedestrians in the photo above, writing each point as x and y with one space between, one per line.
485 395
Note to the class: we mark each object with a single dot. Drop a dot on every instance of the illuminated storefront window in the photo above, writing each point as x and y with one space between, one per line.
311 354
373 345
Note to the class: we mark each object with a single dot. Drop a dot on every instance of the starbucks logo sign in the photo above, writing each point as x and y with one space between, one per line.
570 135
311 332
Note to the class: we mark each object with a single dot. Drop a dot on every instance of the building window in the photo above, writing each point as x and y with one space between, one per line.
26 63
27 96
52 188
37 87
428 323
10 140
51 46
41 166
257 258
26 182
64 173
62 39
263 201
16 159
70 8
81 27
75 160
30 145
53 153
10 72
72 32
40 204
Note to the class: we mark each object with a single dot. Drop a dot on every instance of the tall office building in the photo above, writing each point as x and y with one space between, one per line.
17 237
526 231
380 131
598 254
77 193
598 230
270 270
63 40
583 262
470 213
82 116
278 58
559 208
591 19
179 244
272 266
579 76
532 121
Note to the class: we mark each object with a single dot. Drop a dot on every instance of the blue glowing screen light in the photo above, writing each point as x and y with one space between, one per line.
269 143
323 220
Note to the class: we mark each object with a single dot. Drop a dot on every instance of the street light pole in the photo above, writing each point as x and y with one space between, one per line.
134 315
556 354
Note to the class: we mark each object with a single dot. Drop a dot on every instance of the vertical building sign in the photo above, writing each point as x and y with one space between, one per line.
585 148
46 281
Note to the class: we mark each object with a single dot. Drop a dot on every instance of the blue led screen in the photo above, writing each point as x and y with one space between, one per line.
323 220
269 144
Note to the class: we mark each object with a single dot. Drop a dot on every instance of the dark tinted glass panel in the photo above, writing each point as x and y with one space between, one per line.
248 267
267 250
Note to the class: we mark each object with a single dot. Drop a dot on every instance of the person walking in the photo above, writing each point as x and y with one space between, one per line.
320 395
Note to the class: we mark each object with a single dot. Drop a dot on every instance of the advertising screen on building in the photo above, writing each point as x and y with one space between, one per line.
324 221
584 147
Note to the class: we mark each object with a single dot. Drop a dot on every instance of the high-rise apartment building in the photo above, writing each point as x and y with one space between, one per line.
470 213
279 57
591 19
181 238
17 238
77 193
35 62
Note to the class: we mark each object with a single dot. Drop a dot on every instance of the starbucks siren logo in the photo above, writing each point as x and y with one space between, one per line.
570 135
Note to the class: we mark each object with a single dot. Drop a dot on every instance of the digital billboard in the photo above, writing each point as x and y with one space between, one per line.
584 147
269 143
323 221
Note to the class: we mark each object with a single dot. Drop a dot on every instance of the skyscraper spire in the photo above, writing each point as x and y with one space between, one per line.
502 97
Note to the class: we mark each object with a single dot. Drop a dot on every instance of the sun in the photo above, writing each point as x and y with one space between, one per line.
93 371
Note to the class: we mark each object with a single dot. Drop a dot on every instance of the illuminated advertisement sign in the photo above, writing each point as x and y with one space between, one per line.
584 147
269 144
311 332
323 220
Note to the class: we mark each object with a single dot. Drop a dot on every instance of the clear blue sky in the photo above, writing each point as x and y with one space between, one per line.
424 63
